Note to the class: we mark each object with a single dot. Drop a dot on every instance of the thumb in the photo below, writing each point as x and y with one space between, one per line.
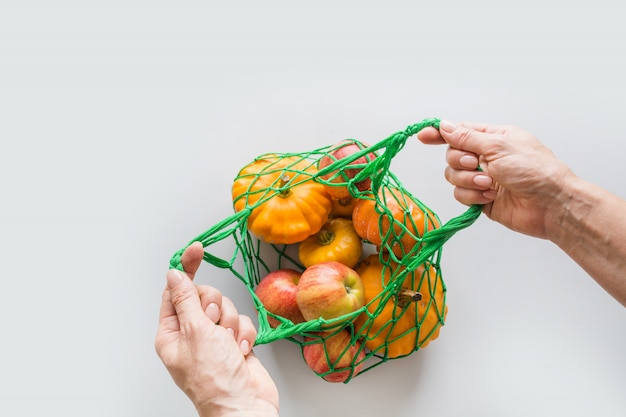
465 138
184 296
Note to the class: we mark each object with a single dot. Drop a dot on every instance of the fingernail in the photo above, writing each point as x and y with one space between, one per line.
174 277
447 126
230 330
468 161
483 181
245 347
213 312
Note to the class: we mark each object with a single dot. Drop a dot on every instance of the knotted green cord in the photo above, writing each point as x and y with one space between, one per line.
249 261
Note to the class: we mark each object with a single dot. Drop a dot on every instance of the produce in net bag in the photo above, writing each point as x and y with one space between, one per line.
337 255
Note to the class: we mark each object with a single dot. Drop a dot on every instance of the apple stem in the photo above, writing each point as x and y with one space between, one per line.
406 296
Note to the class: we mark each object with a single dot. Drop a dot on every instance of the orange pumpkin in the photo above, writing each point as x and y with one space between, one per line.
400 321
343 207
287 204
373 222
336 241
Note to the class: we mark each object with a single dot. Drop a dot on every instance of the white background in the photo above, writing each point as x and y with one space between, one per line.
123 124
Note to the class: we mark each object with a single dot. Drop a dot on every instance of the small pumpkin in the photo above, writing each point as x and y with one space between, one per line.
287 204
373 222
336 241
409 318
343 207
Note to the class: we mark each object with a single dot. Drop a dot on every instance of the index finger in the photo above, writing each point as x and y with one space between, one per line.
430 136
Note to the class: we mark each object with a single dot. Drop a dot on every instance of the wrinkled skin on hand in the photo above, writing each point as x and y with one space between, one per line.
520 177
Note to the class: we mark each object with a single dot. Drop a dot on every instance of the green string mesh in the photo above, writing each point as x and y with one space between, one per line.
395 322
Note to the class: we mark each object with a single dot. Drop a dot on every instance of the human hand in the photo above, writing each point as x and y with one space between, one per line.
206 344
520 179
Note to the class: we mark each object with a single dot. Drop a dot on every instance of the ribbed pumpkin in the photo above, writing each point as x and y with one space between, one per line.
336 241
400 325
287 204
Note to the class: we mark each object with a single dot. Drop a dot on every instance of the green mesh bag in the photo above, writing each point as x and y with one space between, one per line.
405 303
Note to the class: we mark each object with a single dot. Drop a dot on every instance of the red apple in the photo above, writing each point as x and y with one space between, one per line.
277 292
329 290
339 151
335 359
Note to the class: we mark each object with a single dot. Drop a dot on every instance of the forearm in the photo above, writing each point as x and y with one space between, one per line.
237 407
589 224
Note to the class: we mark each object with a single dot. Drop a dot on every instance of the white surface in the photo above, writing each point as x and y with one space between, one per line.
123 124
